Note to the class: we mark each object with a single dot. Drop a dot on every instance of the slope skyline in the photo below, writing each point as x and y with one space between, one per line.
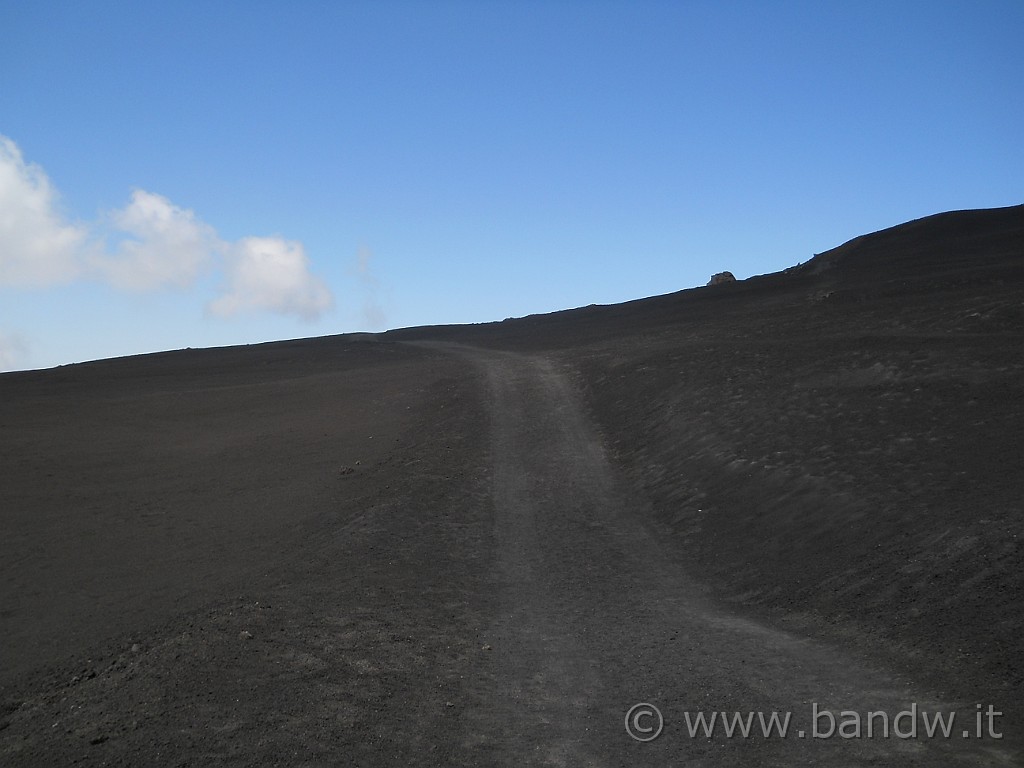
215 176
485 544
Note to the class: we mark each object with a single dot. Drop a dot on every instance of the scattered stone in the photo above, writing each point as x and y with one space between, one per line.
98 739
136 648
245 634
346 470
486 647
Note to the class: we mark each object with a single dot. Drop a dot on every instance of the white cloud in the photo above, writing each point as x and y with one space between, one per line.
149 244
13 351
166 246
37 246
271 274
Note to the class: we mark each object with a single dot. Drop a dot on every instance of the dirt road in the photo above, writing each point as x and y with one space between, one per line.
480 586
355 551
596 614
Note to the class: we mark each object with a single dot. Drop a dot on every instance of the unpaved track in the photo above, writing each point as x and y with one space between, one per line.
596 614
430 610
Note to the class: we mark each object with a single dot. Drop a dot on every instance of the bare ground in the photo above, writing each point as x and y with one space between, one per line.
799 490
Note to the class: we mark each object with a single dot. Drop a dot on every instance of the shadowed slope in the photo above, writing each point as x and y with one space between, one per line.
974 245
194 564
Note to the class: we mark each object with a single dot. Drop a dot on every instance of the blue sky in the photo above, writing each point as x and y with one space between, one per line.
209 173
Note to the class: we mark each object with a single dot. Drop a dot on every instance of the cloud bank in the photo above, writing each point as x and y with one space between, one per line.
37 247
271 274
149 244
161 245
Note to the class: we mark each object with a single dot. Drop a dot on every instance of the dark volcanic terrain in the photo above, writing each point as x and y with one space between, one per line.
481 545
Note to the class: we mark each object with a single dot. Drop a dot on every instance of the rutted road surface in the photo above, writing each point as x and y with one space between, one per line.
596 615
